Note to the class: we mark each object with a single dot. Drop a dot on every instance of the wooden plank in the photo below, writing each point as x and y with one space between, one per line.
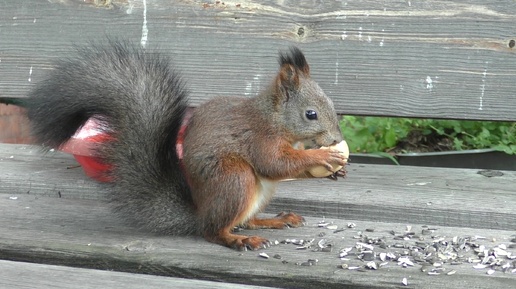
443 59
83 233
44 168
21 275
429 196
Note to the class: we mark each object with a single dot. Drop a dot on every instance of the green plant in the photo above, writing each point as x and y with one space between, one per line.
382 134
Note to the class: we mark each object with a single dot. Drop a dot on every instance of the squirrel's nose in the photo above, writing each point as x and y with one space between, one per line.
338 138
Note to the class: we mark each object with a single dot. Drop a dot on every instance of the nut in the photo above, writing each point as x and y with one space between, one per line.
320 171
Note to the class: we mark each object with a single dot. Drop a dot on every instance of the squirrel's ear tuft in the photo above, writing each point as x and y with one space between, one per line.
295 58
293 66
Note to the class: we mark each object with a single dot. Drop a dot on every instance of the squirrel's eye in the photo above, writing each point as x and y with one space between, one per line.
311 114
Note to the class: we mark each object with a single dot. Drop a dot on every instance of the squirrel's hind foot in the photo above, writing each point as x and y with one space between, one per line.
281 221
243 243
240 242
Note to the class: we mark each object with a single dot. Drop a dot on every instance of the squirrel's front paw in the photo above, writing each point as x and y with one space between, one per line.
331 161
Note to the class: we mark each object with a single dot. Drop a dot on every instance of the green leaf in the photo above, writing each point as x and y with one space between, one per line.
377 134
512 150
390 138
457 144
386 155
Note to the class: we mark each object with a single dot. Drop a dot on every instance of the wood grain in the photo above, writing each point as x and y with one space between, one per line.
428 196
54 215
441 59
83 233
21 275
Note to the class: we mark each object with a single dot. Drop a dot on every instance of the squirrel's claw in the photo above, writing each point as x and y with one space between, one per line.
333 177
340 173
255 243
337 157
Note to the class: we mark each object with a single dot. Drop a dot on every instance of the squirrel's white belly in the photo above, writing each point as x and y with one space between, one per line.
265 189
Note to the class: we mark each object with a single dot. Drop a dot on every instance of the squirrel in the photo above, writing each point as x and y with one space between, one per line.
234 152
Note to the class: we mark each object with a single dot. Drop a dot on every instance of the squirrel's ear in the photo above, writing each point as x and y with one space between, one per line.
286 81
293 67
295 58
288 77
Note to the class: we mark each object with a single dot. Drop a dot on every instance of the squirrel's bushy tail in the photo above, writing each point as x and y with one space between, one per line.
143 100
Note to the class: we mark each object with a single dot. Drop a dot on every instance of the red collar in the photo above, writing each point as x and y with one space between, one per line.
180 140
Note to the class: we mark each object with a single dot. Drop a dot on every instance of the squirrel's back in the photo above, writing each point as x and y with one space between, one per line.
143 100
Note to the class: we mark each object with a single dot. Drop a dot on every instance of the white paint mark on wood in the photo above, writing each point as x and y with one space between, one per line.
343 36
383 38
34 20
359 33
429 83
341 16
419 184
30 74
454 10
483 87
248 88
129 9
253 87
145 30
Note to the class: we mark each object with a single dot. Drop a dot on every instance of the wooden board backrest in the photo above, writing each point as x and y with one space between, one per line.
436 59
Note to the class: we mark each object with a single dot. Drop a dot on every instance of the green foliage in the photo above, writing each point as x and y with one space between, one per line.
379 134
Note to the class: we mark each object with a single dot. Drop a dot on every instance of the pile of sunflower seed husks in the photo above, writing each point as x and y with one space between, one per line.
435 254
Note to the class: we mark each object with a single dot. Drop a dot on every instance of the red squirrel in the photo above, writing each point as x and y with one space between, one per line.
236 149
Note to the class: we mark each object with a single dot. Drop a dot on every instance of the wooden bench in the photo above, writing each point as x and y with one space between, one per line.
407 58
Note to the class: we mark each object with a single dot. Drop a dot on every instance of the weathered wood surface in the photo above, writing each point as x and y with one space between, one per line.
432 196
54 215
83 233
429 58
21 275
